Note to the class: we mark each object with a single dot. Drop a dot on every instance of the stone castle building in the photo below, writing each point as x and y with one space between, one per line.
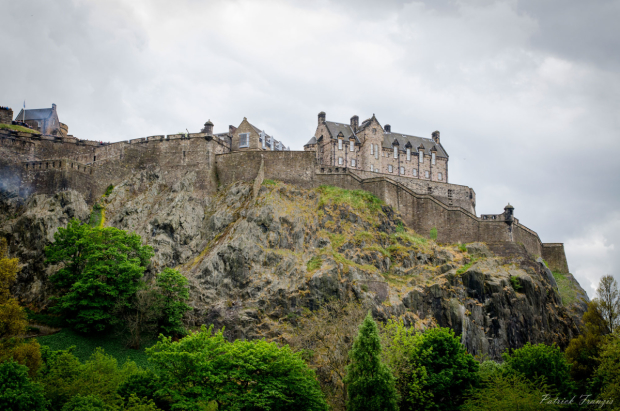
407 172
371 147
44 120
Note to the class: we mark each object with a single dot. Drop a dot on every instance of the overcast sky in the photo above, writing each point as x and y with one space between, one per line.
526 94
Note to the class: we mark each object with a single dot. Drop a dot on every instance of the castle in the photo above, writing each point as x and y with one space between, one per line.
407 172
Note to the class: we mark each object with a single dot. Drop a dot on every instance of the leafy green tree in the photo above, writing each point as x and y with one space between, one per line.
609 302
606 378
17 391
173 294
243 375
370 383
504 392
65 377
541 360
85 403
101 268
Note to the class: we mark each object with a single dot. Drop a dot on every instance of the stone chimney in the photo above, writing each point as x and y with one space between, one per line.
321 117
231 130
53 106
208 128
387 128
355 122
436 136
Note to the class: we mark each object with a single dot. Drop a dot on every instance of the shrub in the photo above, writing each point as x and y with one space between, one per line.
314 263
463 248
108 190
433 233
101 268
268 182
18 392
516 285
173 294
371 385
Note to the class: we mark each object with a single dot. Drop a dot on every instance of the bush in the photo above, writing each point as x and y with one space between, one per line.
204 367
18 392
101 268
516 285
371 385
108 190
540 360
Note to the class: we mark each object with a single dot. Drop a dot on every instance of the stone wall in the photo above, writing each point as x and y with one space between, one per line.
554 255
6 115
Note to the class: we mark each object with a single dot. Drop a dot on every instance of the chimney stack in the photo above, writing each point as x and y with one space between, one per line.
387 128
231 130
436 136
321 117
355 122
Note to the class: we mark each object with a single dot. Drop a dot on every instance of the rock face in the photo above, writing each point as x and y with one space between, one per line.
255 260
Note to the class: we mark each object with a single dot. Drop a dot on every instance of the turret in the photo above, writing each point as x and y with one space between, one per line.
509 213
208 129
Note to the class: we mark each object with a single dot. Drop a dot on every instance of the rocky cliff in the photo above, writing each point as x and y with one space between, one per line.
256 255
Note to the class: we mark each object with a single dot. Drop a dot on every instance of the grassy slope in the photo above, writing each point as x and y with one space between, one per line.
85 346
566 288
18 128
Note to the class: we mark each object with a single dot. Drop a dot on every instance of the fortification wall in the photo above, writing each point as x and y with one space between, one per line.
6 115
449 194
554 255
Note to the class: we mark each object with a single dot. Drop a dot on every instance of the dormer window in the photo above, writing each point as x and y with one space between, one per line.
395 152
433 158
408 154
244 140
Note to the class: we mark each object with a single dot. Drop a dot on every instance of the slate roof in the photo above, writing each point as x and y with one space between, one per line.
337 128
403 139
312 141
35 114
275 142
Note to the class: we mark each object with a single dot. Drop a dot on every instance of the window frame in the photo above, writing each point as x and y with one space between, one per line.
421 157
395 151
245 136
339 144
408 154
340 161
433 158
390 168
440 176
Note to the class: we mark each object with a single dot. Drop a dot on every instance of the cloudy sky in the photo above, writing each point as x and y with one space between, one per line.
526 94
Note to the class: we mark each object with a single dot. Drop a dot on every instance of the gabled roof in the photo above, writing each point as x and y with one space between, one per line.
427 144
35 114
335 129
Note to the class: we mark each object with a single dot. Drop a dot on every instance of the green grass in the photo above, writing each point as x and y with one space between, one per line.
383 251
362 235
97 216
268 182
18 128
462 247
413 239
360 200
314 263
85 345
466 267
108 190
433 233
565 288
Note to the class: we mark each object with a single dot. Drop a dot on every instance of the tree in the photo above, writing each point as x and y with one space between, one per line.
370 383
203 367
505 392
606 378
101 268
139 320
450 371
541 360
18 392
173 294
13 320
609 299
583 351
325 337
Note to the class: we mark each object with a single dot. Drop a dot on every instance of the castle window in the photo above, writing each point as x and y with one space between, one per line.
439 176
377 151
376 170
353 163
94 158
408 154
339 144
244 140
374 131
432 158
449 193
426 174
372 149
395 152
339 160
390 168
402 170
415 172
421 157
351 146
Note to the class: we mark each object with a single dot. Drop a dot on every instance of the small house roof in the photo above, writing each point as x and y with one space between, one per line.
35 114
312 141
